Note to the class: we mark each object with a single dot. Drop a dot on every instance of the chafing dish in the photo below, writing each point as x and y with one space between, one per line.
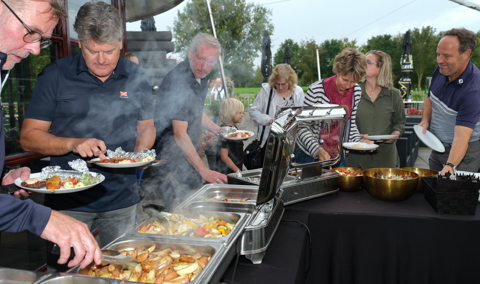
211 273
18 276
234 218
296 186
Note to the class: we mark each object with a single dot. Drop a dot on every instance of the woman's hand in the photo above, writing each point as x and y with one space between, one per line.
323 155
270 122
393 140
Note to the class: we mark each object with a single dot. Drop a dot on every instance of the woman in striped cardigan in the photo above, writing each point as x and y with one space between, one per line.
350 66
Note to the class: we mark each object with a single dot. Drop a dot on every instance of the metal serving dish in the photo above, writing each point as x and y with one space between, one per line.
232 193
390 189
298 185
212 272
77 279
234 218
421 173
16 276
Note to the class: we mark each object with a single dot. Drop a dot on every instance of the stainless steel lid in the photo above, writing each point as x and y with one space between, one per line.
280 145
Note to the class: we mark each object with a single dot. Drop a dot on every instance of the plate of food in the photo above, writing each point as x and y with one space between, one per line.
122 162
360 146
240 135
55 185
381 137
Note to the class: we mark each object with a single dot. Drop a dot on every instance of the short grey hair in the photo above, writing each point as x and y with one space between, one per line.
99 22
205 39
57 7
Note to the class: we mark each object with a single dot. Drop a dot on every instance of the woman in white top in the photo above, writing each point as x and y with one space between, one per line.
285 93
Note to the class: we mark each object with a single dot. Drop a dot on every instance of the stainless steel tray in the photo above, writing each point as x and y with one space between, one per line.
197 200
238 219
306 189
247 176
260 227
307 185
18 276
210 274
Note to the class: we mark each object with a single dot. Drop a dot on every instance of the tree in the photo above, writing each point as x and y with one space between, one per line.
257 77
424 48
239 27
294 51
328 50
307 63
476 53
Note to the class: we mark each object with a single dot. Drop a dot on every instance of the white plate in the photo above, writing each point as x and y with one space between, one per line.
429 139
381 137
349 145
242 138
18 182
120 166
325 105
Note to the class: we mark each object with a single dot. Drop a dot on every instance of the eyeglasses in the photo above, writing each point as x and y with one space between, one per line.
372 63
31 36
279 85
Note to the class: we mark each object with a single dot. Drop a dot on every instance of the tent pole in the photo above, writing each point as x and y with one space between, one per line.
220 61
468 4
318 66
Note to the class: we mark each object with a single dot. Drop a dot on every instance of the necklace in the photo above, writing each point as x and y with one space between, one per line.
372 93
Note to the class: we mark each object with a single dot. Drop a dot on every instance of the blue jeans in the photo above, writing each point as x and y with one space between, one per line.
215 119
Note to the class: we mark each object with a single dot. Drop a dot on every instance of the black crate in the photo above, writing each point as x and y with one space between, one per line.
451 197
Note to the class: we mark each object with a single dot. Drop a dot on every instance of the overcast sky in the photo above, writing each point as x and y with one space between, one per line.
355 19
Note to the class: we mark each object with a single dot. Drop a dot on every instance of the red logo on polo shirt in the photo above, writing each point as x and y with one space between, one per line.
123 94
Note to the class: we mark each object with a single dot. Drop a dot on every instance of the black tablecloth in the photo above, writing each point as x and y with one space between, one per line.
286 260
359 239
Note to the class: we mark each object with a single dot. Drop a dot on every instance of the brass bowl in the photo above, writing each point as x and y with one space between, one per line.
349 183
388 189
421 173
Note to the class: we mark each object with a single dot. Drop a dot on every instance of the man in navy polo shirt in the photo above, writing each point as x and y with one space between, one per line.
91 102
453 104
25 27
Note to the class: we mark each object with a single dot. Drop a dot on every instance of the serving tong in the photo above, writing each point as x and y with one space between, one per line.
114 257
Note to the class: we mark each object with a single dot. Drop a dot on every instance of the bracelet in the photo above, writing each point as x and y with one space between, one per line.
449 164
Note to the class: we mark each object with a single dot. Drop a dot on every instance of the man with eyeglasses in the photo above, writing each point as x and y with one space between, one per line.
19 39
83 105
179 118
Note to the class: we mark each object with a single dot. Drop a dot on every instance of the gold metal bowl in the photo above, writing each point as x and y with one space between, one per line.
421 173
349 183
389 189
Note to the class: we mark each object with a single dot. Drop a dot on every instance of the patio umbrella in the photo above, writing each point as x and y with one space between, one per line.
286 55
266 66
406 65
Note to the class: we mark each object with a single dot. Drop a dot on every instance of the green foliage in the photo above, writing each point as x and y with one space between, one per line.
214 107
257 77
239 27
424 52
418 95
294 53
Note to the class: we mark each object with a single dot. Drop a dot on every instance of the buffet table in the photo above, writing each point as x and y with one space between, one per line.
359 239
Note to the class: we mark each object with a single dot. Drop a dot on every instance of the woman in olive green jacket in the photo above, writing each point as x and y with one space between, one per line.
379 112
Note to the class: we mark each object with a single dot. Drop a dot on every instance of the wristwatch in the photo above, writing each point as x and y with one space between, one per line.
450 164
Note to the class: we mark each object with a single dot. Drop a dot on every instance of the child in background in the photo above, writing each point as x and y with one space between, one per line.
230 159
